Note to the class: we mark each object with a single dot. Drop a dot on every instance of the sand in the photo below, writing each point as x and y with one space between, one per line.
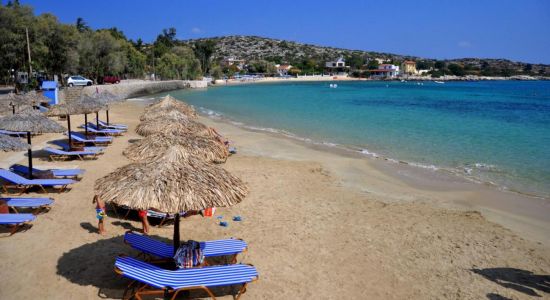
319 225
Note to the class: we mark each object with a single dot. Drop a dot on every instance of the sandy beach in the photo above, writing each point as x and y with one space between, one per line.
319 225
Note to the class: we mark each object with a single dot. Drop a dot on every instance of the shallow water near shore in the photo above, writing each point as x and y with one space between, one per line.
492 132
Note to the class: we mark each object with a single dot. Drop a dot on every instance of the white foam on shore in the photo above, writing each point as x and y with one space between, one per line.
470 172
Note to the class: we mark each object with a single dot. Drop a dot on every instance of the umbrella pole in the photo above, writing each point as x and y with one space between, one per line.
97 120
70 137
176 233
107 114
86 125
29 153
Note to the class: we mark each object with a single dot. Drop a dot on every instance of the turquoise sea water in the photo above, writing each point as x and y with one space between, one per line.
489 131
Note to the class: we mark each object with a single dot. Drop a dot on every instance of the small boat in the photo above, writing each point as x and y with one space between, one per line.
440 82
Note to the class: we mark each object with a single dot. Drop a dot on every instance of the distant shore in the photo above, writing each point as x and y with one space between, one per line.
234 81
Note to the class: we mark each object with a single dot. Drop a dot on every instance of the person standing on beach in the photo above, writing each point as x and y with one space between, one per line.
144 221
100 213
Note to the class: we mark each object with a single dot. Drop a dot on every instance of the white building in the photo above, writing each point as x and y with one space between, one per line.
337 67
282 70
385 71
232 61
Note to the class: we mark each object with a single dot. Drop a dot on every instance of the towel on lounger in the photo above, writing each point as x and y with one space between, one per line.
189 255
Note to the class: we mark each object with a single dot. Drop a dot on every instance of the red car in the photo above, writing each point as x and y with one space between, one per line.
111 79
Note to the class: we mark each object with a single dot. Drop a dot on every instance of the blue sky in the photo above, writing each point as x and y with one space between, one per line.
517 30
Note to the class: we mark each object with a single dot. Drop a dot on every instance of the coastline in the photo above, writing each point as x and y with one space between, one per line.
327 78
525 214
317 225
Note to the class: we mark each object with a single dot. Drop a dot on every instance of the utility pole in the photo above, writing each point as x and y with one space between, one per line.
29 52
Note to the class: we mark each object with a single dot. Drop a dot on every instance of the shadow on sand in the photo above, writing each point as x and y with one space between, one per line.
520 280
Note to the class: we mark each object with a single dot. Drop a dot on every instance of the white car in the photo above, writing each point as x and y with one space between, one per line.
78 80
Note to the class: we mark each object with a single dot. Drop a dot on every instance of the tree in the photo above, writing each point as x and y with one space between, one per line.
372 64
456 69
424 65
528 68
164 42
179 63
440 65
203 51
81 25
355 61
294 71
100 55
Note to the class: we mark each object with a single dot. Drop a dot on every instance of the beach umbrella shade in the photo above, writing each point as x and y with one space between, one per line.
174 127
154 146
173 183
73 108
171 103
8 143
30 122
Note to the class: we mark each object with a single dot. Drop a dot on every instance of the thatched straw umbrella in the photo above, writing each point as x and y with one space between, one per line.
73 108
174 127
8 143
97 105
163 113
172 103
171 184
36 97
154 146
31 122
14 103
107 99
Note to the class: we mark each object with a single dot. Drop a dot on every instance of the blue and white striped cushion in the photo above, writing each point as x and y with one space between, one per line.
11 219
27 202
160 249
185 278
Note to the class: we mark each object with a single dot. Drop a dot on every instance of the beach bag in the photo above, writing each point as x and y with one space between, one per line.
209 212
189 255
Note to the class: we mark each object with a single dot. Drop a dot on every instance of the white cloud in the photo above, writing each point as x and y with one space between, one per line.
464 44
196 30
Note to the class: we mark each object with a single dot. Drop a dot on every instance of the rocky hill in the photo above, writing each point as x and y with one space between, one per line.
282 51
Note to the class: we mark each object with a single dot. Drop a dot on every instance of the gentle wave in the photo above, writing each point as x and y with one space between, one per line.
467 172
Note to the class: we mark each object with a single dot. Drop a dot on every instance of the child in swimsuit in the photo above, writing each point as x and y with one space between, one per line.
100 213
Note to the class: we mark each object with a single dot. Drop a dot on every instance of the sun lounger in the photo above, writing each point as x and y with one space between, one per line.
113 126
16 220
96 141
155 280
64 173
37 204
13 133
150 213
93 129
14 181
162 216
162 250
58 155
66 147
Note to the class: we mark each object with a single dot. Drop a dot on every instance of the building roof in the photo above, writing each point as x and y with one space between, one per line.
409 62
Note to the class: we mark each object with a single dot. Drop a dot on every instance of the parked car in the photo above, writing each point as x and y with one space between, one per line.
78 80
111 79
